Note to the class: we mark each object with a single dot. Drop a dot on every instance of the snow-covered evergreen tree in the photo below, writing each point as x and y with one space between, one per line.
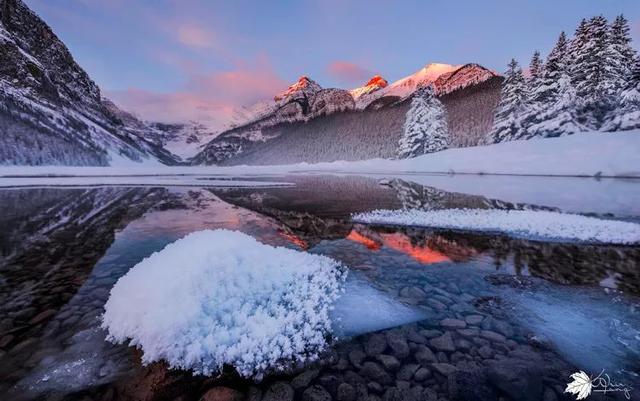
621 53
591 71
627 113
554 67
507 123
425 127
535 67
554 102
558 116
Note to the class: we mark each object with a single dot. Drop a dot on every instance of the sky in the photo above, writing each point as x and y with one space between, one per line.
175 60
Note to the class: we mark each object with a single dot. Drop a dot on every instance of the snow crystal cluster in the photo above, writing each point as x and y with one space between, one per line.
523 223
219 297
588 82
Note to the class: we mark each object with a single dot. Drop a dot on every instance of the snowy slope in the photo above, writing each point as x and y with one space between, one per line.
51 112
586 154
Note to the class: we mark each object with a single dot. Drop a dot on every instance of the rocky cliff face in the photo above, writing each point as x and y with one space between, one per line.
311 124
51 112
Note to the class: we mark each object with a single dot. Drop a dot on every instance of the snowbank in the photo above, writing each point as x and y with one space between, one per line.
524 223
137 180
220 297
586 154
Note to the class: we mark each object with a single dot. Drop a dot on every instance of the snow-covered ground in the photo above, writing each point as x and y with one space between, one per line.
232 301
586 154
521 223
140 180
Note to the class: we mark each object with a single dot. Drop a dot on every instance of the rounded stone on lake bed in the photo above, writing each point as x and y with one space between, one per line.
222 394
453 323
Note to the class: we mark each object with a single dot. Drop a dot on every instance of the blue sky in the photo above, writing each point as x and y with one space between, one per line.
166 58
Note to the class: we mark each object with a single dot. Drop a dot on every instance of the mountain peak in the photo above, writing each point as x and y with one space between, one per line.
374 84
377 81
303 85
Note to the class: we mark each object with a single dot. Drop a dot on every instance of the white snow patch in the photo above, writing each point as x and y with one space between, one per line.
525 223
220 297
584 154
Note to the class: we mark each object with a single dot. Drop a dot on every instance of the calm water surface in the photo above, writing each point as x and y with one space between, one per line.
427 314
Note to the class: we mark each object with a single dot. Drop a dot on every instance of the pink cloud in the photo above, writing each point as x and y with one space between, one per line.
242 86
171 107
349 73
194 36
210 97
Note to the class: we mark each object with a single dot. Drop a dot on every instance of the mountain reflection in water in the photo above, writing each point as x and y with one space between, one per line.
61 250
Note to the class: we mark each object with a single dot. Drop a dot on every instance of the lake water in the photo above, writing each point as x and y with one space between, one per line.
426 314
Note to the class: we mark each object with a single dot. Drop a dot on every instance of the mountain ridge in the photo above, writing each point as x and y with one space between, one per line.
305 100
51 111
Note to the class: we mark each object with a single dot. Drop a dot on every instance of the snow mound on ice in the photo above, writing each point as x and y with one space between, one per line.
525 223
219 297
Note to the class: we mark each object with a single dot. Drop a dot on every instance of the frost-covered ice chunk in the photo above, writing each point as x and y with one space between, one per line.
525 223
220 297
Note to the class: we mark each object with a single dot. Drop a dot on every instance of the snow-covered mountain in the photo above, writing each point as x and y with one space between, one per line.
350 115
374 84
445 78
51 112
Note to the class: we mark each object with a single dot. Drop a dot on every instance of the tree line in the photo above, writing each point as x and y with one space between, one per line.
588 82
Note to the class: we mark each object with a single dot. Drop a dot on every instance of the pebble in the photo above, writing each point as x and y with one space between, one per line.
346 392
398 343
406 372
443 343
471 332
430 333
453 323
316 393
474 319
444 369
375 372
424 356
422 374
222 394
413 292
389 362
485 352
356 357
304 379
375 344
492 335
279 391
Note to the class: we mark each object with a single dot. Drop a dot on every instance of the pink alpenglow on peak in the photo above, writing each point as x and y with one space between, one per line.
304 84
374 84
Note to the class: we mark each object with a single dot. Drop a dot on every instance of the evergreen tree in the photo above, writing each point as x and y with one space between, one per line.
535 66
554 67
622 54
627 114
558 117
507 123
591 71
425 127
535 71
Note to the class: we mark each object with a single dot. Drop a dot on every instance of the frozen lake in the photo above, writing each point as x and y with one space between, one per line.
425 313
